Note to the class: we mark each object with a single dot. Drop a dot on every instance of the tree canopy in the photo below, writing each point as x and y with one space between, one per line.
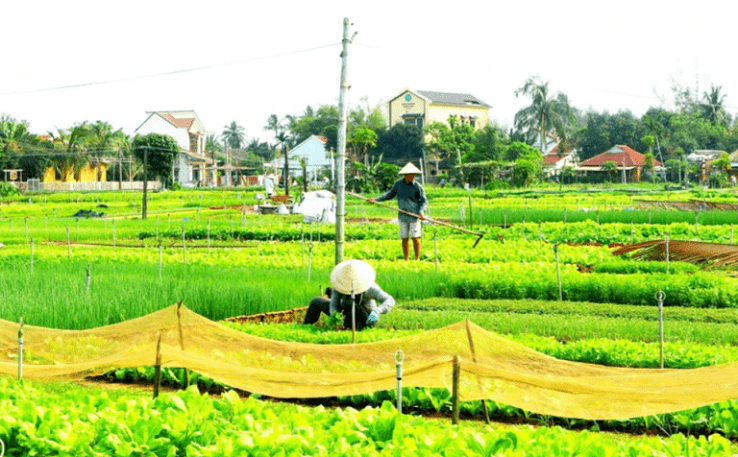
159 152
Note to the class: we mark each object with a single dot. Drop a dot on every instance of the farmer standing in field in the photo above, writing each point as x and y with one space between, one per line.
410 198
352 277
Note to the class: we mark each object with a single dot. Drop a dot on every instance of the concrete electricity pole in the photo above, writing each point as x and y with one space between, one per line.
342 115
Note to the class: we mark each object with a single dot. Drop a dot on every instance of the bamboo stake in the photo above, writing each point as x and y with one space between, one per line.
456 375
558 271
20 350
353 316
432 221
474 359
181 342
157 368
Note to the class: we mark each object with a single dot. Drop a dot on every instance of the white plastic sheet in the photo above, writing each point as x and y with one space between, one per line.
318 206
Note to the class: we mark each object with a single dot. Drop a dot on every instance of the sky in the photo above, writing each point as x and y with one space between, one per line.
71 61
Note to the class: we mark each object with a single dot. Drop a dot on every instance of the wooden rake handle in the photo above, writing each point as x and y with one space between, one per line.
433 221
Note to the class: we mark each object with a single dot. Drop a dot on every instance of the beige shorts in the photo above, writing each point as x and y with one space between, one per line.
410 229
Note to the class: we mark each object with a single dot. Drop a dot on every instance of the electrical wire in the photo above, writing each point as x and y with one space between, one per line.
169 73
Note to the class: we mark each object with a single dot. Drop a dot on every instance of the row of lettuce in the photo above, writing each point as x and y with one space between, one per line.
37 421
237 228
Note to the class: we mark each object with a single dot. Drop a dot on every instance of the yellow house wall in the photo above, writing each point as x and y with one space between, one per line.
87 174
441 113
400 106
433 112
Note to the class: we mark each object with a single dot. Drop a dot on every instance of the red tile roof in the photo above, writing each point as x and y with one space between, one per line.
322 138
552 159
179 122
621 155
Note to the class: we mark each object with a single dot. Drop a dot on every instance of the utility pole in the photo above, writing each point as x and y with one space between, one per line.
341 185
146 182
120 171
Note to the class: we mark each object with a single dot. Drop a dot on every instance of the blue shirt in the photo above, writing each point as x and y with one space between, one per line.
410 197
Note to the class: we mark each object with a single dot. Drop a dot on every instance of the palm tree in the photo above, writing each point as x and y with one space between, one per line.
713 107
234 135
280 134
102 140
543 114
69 146
14 137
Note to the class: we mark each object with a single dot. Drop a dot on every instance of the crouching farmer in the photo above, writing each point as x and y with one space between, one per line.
352 277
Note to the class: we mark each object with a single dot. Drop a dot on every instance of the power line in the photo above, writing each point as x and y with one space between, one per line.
169 73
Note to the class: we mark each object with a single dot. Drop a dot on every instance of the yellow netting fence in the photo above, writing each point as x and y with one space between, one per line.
498 370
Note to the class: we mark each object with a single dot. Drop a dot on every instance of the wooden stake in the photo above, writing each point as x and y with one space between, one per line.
558 271
157 368
474 359
456 375
181 342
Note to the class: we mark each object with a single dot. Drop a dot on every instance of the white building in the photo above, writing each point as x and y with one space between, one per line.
192 167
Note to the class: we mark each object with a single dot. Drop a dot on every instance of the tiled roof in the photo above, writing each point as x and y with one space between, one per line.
179 122
449 98
620 154
552 159
322 138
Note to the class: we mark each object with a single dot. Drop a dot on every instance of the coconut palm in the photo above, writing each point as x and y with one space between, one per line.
713 107
101 140
234 135
69 147
14 139
280 134
545 111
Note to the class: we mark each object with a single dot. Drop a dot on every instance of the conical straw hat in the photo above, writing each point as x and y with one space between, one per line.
354 276
410 169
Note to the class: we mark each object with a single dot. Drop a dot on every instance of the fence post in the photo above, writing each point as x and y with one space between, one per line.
160 259
89 278
69 244
32 252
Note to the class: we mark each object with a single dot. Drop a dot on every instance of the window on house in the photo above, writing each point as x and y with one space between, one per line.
473 122
414 120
